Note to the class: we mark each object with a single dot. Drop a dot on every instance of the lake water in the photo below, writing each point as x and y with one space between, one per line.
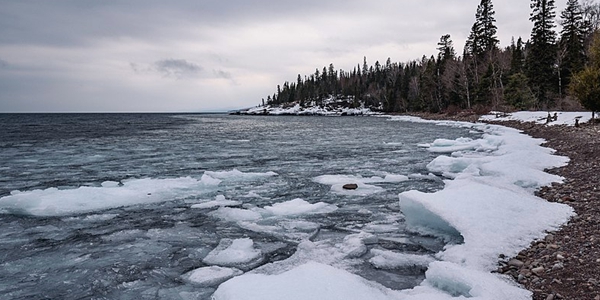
121 206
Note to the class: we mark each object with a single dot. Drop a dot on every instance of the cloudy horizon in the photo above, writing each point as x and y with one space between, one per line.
209 55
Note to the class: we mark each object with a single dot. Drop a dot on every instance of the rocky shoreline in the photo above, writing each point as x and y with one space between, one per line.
566 263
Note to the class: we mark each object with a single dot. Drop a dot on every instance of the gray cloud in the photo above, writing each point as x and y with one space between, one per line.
177 68
229 53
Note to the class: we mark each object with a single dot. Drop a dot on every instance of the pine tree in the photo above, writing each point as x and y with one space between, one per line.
571 52
482 38
446 48
517 56
585 85
542 53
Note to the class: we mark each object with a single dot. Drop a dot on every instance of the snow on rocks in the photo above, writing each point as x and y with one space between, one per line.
329 107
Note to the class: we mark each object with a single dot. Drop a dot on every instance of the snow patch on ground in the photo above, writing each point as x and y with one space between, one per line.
539 117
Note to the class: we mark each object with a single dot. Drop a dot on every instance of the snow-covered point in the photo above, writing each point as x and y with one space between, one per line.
329 107
539 117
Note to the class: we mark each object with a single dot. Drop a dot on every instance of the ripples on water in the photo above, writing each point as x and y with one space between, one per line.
141 251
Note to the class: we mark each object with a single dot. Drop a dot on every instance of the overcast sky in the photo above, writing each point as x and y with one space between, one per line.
210 55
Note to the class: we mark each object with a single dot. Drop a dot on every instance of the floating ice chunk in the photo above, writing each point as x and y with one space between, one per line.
337 183
236 175
238 253
395 178
219 201
392 260
310 281
211 276
209 180
236 214
300 207
354 245
55 202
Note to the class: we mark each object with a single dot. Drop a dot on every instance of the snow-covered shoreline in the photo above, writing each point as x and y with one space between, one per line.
488 200
329 107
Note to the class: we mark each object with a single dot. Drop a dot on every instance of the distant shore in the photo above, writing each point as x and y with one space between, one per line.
566 264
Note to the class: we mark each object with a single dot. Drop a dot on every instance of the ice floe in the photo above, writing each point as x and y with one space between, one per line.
210 276
239 253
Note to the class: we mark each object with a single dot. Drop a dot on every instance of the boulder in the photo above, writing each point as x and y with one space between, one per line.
350 186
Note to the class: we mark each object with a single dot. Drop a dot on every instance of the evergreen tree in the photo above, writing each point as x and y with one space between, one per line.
585 85
517 56
571 53
446 48
542 51
482 38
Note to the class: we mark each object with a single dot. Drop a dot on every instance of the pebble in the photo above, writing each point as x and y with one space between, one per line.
516 263
538 271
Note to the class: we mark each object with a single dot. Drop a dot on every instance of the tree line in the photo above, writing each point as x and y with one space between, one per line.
547 71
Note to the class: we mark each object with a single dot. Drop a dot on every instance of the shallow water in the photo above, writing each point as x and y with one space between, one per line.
142 250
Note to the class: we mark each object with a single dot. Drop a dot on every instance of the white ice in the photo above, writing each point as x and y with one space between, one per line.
210 276
539 117
239 253
299 207
55 202
365 184
489 205
59 202
384 259
312 280
220 201
236 175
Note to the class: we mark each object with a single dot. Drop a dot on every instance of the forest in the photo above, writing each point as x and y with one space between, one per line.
553 69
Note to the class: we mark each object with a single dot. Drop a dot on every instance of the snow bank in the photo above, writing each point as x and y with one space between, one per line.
539 117
489 204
